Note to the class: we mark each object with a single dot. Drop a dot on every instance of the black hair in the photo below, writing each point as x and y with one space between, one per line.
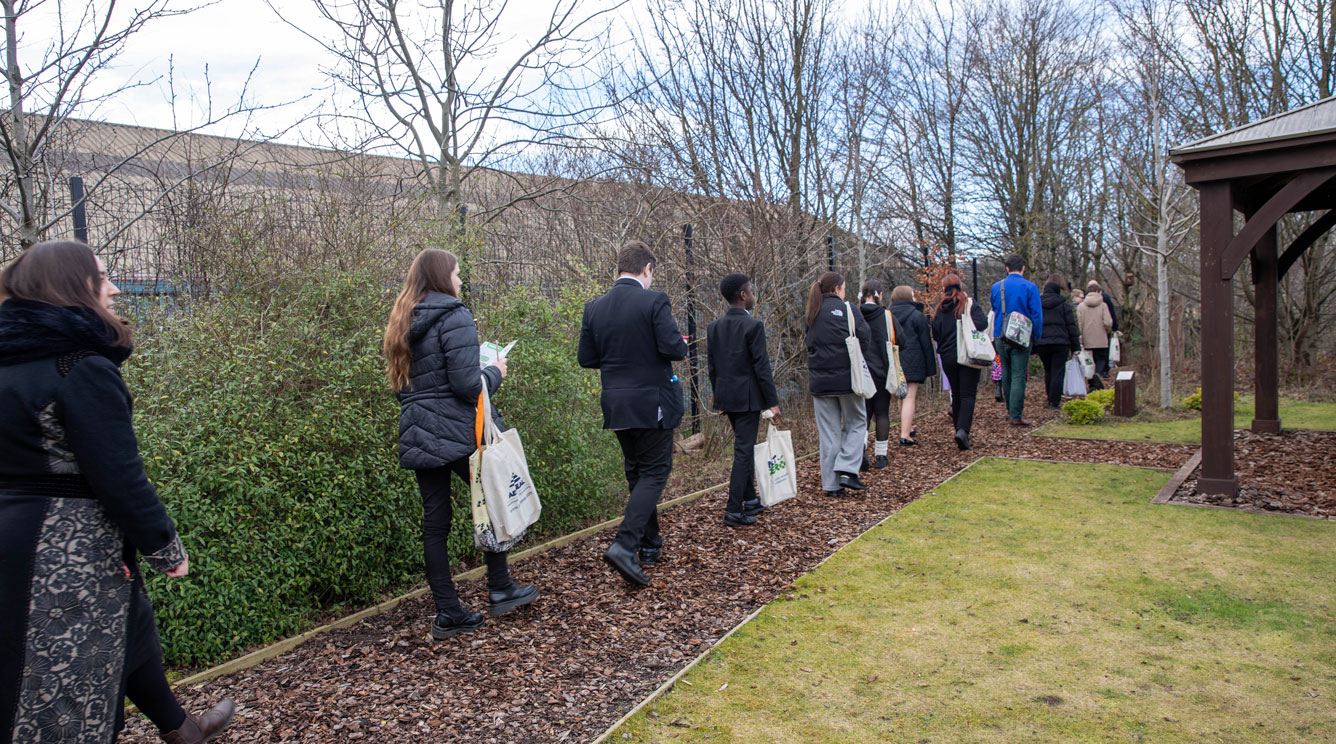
732 285
871 287
1015 262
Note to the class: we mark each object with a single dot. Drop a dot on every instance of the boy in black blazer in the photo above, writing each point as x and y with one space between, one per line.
629 335
743 386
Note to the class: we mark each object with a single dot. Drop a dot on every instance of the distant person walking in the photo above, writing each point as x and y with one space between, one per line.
630 337
1015 294
1059 338
433 363
917 358
841 416
879 365
964 380
1096 322
743 386
77 634
1108 300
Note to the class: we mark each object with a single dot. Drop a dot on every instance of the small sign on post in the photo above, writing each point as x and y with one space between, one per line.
1125 394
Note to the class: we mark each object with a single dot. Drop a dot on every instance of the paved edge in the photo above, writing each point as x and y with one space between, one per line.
254 658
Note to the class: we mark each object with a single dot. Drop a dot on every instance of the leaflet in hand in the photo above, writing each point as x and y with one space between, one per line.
490 352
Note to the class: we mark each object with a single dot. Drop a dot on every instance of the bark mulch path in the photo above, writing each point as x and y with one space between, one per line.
1289 473
590 648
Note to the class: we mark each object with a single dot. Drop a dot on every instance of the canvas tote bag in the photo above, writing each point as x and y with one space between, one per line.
773 462
895 376
498 467
1087 360
1016 327
858 371
973 349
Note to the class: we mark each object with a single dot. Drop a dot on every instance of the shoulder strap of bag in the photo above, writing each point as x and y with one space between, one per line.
850 309
890 327
1003 284
482 415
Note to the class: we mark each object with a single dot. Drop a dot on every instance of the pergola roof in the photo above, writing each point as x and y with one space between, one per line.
1315 118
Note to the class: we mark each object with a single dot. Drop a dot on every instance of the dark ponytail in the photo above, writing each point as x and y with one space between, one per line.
828 283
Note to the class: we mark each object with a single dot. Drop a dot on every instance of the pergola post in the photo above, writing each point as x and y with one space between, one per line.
1217 343
1266 340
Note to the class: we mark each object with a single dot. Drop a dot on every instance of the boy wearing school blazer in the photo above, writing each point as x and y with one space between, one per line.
743 385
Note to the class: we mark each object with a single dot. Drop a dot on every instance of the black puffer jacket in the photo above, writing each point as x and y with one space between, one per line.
1059 320
438 409
877 361
828 371
917 358
944 326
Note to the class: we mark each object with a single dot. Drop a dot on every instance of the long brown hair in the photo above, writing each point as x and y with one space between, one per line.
430 272
952 289
64 273
829 282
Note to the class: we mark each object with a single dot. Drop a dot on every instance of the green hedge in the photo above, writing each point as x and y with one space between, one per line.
266 424
1083 412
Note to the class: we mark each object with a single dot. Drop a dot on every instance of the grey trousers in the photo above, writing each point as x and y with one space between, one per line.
841 425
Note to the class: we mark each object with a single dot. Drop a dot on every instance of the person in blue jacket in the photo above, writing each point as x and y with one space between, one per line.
1015 294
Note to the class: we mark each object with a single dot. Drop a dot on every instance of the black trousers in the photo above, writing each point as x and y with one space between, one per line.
742 480
1055 370
1101 361
647 456
879 413
437 514
964 383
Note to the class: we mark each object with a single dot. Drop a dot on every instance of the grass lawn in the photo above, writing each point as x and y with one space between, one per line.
1293 415
1035 602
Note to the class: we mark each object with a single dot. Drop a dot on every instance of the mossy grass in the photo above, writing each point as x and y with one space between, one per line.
1184 427
1027 601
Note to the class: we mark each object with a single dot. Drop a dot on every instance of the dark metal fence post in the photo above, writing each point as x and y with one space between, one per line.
693 350
79 216
830 250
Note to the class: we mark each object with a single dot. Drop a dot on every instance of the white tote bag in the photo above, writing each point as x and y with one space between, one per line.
1075 382
508 491
895 375
773 461
862 383
1087 360
973 349
1115 349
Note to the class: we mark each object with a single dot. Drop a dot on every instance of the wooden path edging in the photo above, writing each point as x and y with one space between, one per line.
1166 495
246 661
1182 475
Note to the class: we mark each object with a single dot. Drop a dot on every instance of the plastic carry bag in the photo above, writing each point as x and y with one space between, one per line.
1115 349
1087 361
505 502
773 461
1074 382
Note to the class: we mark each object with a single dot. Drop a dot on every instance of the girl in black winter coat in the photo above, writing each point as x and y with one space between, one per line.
964 380
1059 338
841 416
917 358
432 360
77 634
879 364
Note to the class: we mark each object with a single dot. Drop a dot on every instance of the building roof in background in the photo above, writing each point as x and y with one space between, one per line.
1315 118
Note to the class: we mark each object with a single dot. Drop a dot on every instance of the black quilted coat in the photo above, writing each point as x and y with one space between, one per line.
438 409
917 357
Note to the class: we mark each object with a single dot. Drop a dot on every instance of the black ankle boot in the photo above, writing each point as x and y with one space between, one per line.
450 623
501 601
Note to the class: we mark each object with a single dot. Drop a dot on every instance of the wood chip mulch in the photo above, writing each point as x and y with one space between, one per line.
1289 473
591 648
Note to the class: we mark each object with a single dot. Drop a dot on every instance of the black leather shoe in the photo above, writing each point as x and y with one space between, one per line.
738 520
452 622
908 442
866 465
836 493
649 556
849 480
962 439
881 462
624 562
501 601
752 507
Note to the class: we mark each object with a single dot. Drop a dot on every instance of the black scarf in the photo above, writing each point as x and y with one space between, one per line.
38 330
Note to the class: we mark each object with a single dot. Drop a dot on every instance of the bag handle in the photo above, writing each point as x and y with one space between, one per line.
850 309
890 327
484 429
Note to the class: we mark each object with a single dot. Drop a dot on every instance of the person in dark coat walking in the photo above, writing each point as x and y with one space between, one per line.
77 633
743 386
917 358
841 416
432 361
879 364
964 379
630 337
1058 339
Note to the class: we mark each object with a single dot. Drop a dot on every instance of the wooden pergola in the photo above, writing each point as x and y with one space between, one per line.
1265 170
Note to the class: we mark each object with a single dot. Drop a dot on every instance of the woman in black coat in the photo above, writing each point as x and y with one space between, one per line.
917 358
432 360
879 364
964 380
841 416
77 634
1059 338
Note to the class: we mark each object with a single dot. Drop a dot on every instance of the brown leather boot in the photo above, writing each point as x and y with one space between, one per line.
204 728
